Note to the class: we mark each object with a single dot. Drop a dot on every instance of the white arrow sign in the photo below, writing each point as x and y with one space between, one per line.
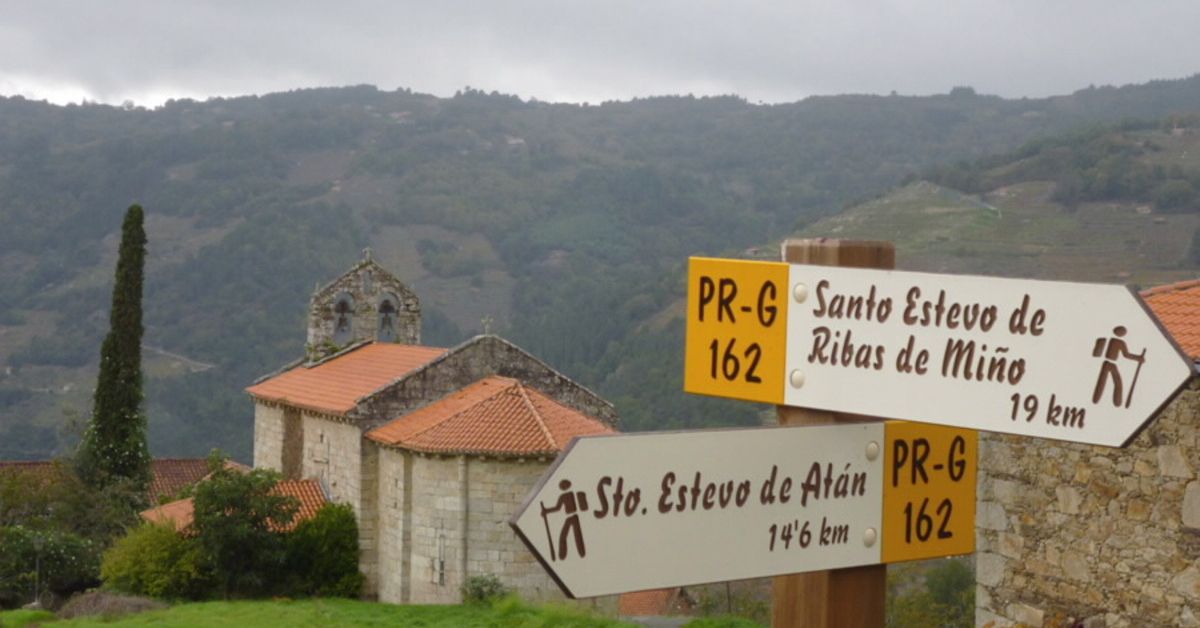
1081 362
634 512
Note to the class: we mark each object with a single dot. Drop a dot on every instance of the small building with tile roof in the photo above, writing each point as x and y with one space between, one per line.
1071 534
309 494
434 448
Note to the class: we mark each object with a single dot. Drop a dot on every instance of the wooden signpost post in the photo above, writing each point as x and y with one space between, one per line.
843 597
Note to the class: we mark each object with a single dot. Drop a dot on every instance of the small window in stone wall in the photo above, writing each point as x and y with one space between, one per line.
387 318
343 319
439 564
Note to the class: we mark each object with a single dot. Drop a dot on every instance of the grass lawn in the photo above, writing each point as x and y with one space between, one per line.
18 618
330 613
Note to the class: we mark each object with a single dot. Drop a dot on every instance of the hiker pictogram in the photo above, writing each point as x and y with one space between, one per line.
1112 350
571 503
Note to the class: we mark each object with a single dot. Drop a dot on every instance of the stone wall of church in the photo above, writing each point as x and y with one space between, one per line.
268 437
1107 537
444 519
332 454
438 527
337 454
496 488
474 360
394 520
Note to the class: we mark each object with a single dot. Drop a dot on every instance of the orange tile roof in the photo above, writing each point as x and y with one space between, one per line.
179 512
308 492
646 603
1177 306
336 385
495 415
172 475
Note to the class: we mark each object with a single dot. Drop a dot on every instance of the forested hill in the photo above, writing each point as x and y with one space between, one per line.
1116 203
566 227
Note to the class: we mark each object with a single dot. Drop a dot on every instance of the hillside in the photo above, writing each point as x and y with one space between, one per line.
1019 219
567 227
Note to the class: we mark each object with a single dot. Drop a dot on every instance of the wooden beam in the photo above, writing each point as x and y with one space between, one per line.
839 598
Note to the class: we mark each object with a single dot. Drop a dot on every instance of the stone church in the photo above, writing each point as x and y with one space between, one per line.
434 448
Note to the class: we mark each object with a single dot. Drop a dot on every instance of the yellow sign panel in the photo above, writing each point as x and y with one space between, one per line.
736 329
928 491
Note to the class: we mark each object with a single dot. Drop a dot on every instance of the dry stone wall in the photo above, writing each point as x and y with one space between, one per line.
1106 537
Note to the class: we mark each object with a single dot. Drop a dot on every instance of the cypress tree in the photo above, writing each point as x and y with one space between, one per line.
114 448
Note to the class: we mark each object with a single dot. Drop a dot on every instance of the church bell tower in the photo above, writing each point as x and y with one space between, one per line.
366 303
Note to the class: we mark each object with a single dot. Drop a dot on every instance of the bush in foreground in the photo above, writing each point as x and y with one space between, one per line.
58 562
322 554
482 589
238 523
155 560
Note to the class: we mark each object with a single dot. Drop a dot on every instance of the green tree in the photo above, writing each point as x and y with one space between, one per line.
114 447
322 554
239 521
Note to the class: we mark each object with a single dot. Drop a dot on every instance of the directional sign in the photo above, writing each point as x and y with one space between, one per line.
1080 362
643 511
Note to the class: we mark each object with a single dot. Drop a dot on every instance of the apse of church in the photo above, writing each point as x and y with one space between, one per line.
366 303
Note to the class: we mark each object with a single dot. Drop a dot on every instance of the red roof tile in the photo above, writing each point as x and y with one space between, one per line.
646 603
172 475
307 492
1177 306
336 385
496 415
179 512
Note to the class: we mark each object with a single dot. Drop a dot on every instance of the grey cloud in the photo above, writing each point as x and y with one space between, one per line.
561 50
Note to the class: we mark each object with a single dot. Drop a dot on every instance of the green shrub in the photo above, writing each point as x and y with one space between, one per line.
55 498
67 563
155 560
322 554
480 589
237 522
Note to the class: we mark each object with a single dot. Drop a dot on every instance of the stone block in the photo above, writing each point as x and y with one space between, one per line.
1191 505
1187 583
1137 510
989 568
1026 614
991 516
1069 499
1075 565
1011 545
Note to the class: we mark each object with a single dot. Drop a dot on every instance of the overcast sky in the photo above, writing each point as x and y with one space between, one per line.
564 50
